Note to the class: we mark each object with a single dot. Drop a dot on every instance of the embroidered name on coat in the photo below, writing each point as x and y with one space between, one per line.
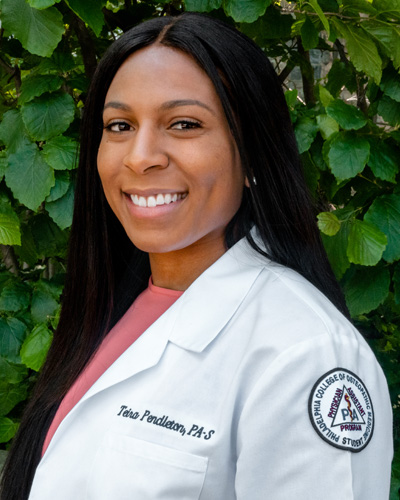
164 421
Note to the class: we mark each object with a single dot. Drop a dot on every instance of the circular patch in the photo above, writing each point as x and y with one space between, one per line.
341 410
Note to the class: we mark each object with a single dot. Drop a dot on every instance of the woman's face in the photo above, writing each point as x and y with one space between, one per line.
168 163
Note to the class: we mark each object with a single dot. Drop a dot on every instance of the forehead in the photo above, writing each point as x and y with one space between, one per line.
160 72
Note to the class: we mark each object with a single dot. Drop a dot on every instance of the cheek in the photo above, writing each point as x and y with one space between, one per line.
105 167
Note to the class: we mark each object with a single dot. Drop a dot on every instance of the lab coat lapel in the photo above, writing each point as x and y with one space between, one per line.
195 319
143 354
212 300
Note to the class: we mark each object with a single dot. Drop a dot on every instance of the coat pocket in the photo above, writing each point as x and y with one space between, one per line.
127 468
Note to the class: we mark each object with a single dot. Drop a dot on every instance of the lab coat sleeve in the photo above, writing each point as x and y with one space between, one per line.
279 453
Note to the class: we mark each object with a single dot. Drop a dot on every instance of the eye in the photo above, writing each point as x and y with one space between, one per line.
185 125
118 127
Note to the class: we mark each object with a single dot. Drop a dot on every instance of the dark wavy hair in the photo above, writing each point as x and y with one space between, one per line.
106 272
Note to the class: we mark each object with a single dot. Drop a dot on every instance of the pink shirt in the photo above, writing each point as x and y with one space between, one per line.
146 309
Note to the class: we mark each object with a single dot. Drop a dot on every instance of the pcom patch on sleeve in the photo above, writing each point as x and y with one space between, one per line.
341 411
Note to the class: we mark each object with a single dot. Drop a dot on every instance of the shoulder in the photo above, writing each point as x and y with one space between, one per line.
286 303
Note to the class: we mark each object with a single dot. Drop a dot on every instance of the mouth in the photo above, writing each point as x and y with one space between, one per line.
157 199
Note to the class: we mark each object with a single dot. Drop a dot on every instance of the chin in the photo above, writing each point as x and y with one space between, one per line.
155 245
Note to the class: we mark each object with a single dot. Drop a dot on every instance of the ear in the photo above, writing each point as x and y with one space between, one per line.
246 182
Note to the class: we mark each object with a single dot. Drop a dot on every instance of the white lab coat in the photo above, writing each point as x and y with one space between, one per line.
211 402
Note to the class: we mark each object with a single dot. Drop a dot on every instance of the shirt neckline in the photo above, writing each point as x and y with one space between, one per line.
163 291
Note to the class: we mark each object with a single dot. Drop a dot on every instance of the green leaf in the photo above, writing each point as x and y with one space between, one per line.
390 84
305 130
61 210
324 95
37 85
362 50
366 243
50 240
389 110
42 4
27 251
384 160
311 172
10 233
3 164
366 289
388 37
39 31
202 5
60 187
389 7
35 347
271 26
14 297
8 429
90 12
309 34
11 372
384 213
329 5
327 126
328 223
59 62
10 396
29 177
61 153
246 11
395 479
336 249
354 7
291 97
12 131
340 75
348 117
44 302
12 334
314 4
396 282
348 155
48 115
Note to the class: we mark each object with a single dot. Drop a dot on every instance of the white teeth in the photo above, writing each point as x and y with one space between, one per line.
155 200
151 201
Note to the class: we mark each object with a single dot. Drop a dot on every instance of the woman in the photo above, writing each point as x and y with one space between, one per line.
252 384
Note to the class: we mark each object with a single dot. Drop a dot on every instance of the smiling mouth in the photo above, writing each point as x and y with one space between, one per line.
156 200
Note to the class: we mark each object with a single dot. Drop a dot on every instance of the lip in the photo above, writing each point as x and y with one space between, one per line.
153 191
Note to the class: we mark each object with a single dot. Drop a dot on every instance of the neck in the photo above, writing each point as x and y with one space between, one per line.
177 270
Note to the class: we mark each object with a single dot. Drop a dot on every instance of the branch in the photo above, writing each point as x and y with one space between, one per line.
332 14
9 258
14 72
361 99
286 71
307 74
342 53
87 45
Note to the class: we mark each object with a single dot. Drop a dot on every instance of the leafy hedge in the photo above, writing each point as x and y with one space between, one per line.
346 124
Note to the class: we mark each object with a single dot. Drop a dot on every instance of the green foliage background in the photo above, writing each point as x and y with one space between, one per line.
350 150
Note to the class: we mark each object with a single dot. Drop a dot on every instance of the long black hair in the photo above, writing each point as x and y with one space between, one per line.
106 272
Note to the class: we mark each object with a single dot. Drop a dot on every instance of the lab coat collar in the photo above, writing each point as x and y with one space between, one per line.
195 319
210 302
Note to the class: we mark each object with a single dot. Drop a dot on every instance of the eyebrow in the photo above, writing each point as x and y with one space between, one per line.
117 105
185 102
165 106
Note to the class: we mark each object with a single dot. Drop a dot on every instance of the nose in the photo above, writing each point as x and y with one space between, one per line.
146 151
